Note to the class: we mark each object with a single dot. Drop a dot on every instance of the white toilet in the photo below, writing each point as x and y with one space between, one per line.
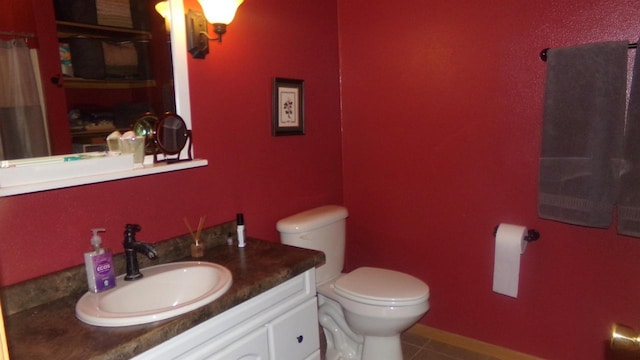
362 312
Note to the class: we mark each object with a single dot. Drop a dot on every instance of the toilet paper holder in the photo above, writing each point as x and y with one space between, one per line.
532 234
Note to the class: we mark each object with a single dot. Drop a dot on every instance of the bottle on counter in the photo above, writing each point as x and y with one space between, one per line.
99 265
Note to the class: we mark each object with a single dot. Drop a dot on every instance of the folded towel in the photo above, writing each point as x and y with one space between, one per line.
114 13
120 60
582 133
629 197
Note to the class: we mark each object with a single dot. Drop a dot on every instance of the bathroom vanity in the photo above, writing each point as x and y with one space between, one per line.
281 323
270 311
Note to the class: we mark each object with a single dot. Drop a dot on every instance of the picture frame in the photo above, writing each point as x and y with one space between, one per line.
288 107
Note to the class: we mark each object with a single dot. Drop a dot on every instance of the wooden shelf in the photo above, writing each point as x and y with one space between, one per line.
68 29
79 83
93 133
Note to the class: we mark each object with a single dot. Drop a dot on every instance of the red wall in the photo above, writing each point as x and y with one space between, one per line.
249 171
442 104
441 115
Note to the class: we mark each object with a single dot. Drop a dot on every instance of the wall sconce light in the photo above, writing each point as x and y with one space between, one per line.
624 338
220 13
163 9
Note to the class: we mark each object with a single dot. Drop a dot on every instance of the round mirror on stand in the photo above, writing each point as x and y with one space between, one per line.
171 136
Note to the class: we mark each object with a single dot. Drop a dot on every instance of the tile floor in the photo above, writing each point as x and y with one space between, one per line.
415 347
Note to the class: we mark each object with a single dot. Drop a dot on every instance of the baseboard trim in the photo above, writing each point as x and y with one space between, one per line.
470 344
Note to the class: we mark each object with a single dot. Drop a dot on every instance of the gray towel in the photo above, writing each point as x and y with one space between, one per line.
582 132
629 198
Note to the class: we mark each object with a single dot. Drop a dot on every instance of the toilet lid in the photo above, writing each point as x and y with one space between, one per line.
382 287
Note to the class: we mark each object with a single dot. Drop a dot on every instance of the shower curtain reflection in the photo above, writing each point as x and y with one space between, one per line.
23 131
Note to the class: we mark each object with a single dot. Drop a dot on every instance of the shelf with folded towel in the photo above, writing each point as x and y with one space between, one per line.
68 29
104 57
80 83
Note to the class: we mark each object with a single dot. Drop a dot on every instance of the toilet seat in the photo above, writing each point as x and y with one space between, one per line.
382 287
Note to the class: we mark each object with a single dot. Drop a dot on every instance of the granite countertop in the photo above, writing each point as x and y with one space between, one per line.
51 330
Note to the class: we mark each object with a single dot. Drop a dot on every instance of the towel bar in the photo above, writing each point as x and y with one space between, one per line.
543 53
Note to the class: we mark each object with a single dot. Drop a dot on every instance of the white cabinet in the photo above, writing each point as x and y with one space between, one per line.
279 324
294 335
254 346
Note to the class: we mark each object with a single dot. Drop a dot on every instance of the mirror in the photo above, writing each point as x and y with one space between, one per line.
166 135
171 136
98 105
145 127
179 67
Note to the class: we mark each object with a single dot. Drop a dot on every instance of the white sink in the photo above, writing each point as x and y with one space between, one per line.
165 291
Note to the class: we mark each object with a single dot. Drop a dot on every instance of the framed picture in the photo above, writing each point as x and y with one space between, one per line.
288 107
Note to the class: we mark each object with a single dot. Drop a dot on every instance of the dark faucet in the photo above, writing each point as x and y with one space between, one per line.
131 248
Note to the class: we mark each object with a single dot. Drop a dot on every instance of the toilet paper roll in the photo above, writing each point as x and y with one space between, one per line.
510 244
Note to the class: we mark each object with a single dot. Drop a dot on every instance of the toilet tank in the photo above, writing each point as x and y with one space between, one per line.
321 228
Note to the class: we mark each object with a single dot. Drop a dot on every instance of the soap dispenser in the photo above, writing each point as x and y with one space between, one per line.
99 265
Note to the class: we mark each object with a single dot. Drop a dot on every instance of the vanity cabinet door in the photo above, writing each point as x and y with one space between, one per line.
294 335
254 346
315 356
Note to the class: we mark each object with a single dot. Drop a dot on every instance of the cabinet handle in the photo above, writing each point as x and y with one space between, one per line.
300 338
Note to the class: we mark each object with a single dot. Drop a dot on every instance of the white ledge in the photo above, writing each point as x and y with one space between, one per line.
149 169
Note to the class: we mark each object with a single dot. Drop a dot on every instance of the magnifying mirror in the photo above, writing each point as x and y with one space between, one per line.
145 126
171 136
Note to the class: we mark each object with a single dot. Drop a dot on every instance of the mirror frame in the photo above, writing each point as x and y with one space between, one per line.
182 138
183 108
179 61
